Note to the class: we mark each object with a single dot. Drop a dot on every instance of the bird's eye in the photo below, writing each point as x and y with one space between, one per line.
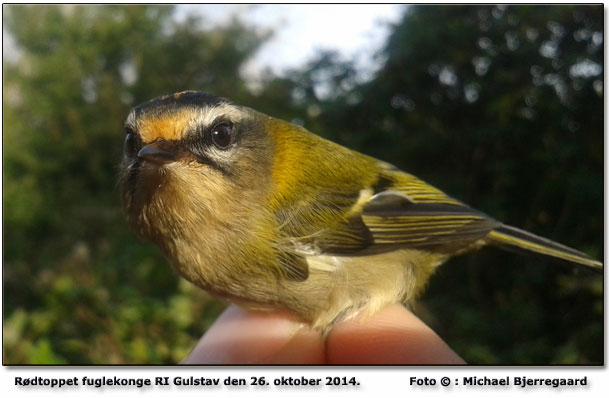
222 135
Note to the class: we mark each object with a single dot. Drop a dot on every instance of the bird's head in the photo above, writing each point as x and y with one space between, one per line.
191 156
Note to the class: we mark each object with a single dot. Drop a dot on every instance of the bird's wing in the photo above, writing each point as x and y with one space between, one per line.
397 211
396 220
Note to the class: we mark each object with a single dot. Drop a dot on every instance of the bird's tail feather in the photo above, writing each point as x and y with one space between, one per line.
514 238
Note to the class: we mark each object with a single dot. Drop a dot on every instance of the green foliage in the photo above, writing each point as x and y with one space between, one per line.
499 106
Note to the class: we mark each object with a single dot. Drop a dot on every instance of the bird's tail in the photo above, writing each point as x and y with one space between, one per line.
514 238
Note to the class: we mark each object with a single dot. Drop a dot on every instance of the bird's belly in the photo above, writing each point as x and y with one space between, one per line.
340 287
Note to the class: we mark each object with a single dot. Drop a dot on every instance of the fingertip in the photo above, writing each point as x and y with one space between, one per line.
255 337
391 336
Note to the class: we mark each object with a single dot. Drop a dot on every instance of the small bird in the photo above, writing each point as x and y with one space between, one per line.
267 215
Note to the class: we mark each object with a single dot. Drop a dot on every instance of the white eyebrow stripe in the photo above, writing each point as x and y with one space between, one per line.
207 115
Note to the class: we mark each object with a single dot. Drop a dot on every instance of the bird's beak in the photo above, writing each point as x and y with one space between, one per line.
159 152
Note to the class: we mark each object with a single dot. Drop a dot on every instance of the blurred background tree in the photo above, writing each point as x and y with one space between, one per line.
501 107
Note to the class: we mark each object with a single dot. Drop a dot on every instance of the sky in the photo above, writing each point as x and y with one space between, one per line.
357 31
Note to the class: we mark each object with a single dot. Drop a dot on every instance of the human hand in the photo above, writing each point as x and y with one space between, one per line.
391 336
